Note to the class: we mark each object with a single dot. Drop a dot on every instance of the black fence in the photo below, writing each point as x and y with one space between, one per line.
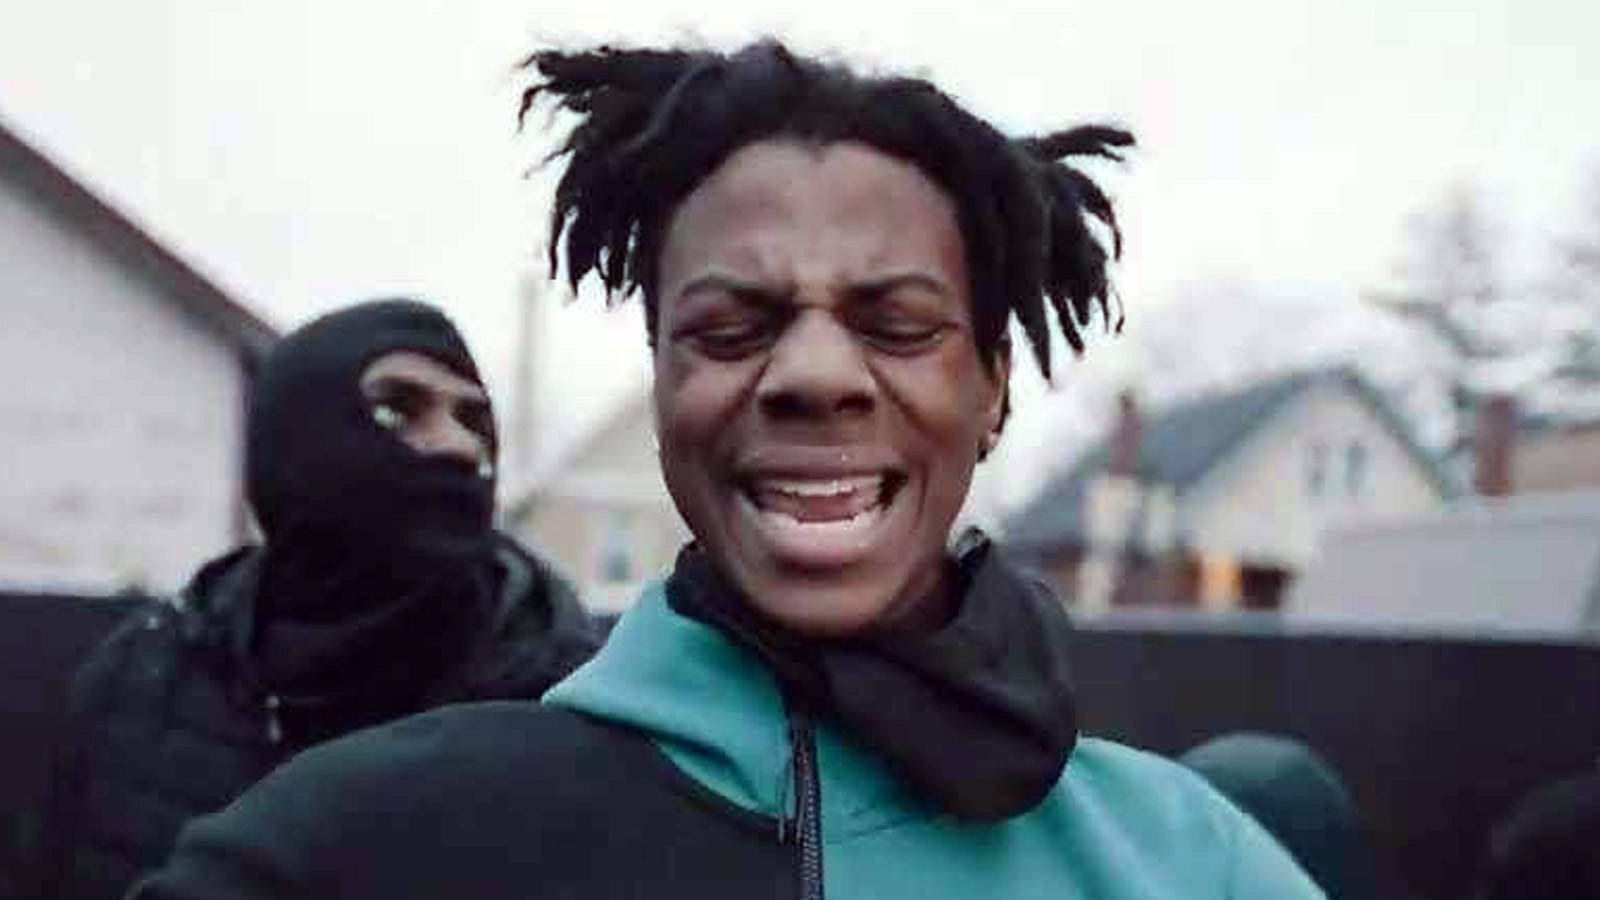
1436 736
41 640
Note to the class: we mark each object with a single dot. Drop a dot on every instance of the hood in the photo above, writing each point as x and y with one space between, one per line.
539 634
716 708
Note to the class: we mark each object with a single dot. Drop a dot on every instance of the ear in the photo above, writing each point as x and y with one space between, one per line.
997 398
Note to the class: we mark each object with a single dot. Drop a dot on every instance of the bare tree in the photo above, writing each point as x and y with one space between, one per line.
1580 250
1538 340
1575 287
1451 285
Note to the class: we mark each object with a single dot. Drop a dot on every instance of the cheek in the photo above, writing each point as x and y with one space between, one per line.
696 407
946 406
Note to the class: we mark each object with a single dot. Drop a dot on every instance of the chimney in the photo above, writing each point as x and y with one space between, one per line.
1493 433
1126 436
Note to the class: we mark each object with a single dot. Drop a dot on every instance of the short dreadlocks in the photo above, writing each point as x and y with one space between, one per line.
654 123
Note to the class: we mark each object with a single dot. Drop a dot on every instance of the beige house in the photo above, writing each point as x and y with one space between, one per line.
1219 501
121 423
603 514
1563 457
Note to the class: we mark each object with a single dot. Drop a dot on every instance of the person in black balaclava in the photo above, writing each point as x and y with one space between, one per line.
381 590
374 484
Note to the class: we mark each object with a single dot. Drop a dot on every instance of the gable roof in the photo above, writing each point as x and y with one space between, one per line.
1180 446
196 296
633 408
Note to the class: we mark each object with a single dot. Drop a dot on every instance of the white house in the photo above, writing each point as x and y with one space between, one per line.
125 369
1220 500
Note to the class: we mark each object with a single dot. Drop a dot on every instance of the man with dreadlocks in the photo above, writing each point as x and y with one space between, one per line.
826 697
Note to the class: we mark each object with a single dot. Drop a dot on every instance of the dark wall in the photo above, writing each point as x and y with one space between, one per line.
1436 737
41 640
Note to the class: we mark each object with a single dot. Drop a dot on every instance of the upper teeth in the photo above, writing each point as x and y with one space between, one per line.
817 487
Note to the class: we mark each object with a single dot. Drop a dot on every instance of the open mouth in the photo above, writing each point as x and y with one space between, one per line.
821 521
824 500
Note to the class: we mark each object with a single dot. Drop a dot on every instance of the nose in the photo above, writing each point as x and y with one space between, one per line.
443 435
816 371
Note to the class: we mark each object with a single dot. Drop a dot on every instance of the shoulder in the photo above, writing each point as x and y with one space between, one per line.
392 806
506 762
460 746
1150 792
1116 768
494 800
1178 818
157 627
142 640
532 581
540 632
155 636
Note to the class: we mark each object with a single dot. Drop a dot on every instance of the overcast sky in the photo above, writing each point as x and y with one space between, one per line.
308 154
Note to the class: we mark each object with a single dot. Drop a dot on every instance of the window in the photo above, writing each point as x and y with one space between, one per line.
1355 468
1317 470
614 558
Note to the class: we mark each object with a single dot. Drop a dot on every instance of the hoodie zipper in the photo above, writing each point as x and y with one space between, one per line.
808 807
274 721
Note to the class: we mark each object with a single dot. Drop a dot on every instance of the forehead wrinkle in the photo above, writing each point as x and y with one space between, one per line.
759 217
783 256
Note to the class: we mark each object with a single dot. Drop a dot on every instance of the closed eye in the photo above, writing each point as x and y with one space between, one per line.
904 337
902 314
734 339
732 321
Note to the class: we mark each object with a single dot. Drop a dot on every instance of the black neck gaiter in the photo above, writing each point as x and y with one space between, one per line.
978 714
378 558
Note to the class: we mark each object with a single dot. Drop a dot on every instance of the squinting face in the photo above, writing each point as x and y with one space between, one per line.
819 398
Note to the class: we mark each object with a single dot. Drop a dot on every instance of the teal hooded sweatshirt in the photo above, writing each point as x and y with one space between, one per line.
1119 823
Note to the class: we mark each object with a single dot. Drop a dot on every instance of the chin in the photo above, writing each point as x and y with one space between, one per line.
831 605
820 612
831 576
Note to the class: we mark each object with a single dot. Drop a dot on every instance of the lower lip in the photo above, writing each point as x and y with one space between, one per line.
818 545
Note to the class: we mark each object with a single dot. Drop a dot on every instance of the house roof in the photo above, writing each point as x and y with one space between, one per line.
196 295
634 407
1539 425
1183 444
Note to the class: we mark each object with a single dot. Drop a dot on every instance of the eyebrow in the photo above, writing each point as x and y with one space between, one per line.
758 293
404 384
755 293
878 286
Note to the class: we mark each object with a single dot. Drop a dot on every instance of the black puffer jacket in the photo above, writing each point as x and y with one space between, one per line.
167 725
